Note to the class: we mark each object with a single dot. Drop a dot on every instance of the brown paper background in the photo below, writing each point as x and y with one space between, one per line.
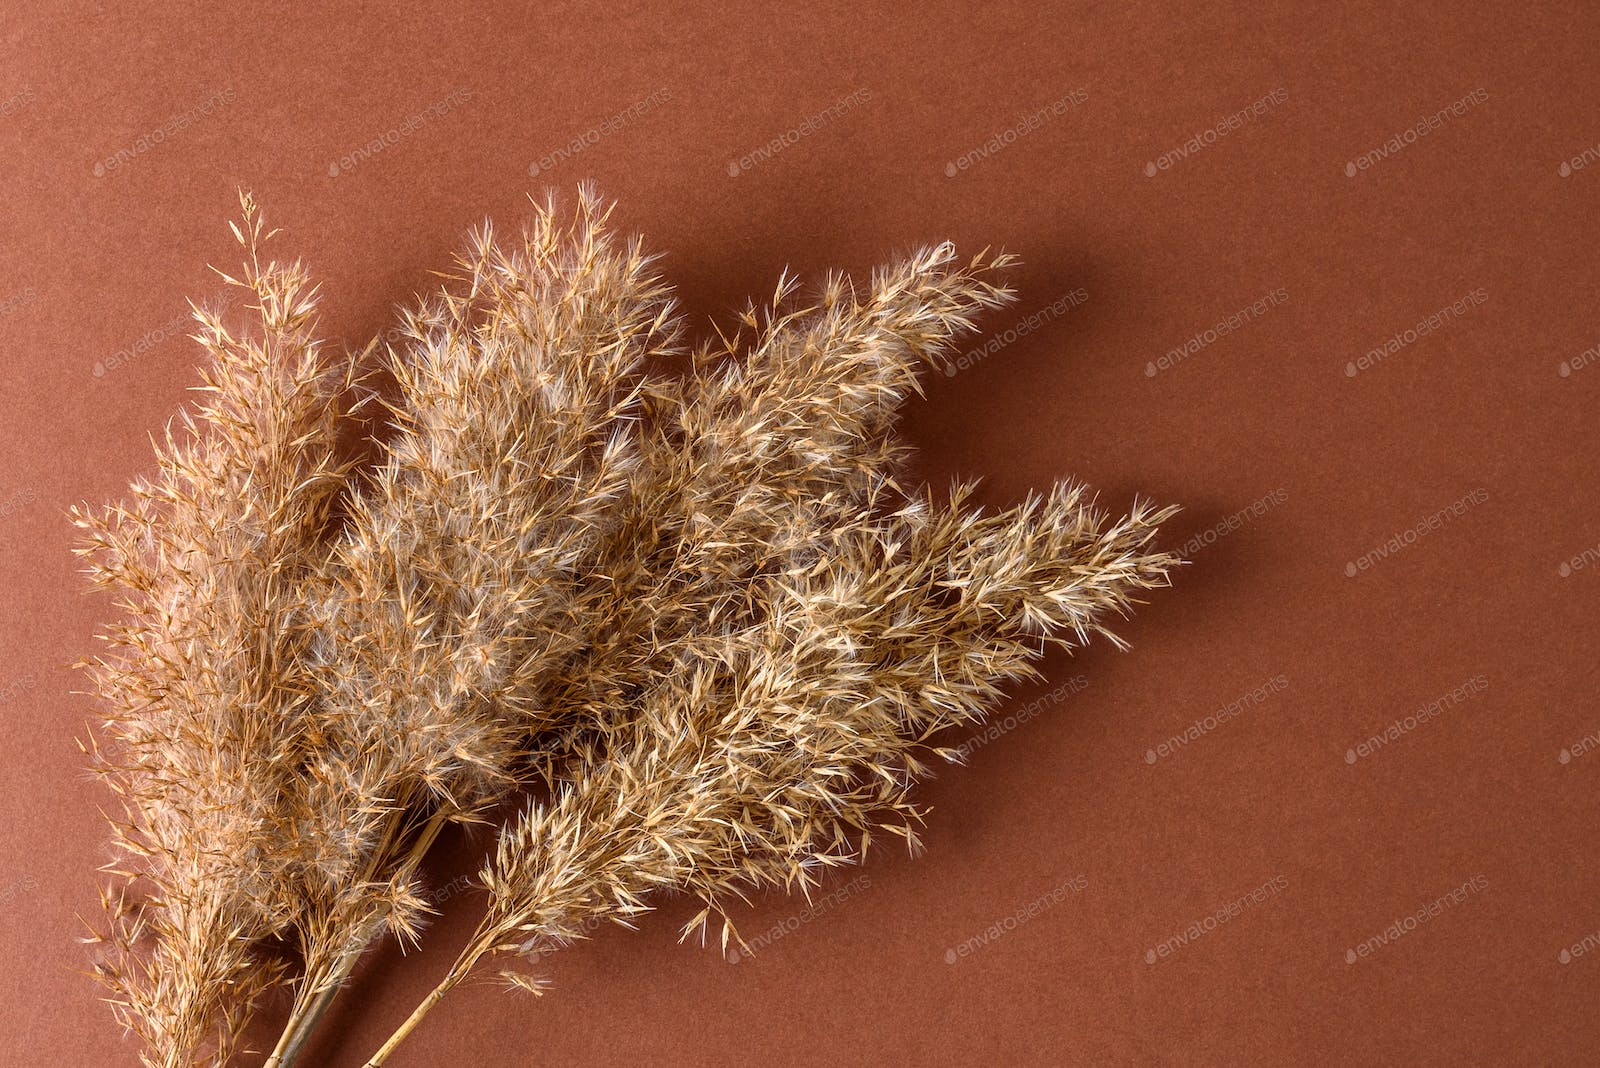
1065 801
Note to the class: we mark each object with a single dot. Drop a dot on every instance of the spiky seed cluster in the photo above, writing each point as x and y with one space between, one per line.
781 430
701 608
205 685
769 752
466 574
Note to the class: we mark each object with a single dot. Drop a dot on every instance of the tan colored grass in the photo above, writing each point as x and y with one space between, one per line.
205 685
699 609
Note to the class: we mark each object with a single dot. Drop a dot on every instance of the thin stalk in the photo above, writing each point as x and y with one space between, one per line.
301 1019
458 971
327 982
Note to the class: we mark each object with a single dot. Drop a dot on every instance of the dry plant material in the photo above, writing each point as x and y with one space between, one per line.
699 610
466 574
206 683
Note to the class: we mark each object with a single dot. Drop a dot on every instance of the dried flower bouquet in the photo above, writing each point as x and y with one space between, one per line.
696 613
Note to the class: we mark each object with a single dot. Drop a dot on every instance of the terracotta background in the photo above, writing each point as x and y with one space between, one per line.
1064 809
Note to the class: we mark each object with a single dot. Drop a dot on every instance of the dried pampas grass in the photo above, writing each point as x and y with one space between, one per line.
697 612
206 685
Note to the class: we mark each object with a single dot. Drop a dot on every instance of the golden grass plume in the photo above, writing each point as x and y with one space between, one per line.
699 611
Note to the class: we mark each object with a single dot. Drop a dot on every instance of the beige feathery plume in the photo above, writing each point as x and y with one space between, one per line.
810 630
794 420
700 608
467 573
771 750
205 684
